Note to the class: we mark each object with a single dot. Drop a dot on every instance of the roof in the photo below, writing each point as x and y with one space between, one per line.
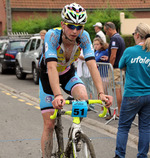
88 4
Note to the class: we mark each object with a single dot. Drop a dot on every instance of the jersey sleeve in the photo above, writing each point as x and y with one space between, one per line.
51 43
100 54
114 43
87 46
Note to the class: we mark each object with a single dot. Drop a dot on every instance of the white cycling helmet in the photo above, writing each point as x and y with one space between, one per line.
74 13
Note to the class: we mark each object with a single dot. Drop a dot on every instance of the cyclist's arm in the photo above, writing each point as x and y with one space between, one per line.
53 79
54 82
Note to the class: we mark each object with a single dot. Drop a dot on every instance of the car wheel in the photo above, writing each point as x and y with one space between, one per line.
19 73
1 69
35 75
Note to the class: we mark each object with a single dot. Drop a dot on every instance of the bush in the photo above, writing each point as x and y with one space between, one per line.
129 40
52 22
31 25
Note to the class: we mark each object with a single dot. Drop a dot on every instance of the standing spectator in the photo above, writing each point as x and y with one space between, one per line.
99 33
42 34
101 49
136 98
115 50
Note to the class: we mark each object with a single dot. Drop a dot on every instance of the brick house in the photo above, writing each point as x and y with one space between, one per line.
26 8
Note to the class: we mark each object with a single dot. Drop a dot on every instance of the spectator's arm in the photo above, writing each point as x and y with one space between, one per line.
113 56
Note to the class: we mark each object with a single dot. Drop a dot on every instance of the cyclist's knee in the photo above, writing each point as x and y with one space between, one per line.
79 92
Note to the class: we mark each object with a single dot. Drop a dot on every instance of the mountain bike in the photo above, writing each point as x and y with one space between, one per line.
78 144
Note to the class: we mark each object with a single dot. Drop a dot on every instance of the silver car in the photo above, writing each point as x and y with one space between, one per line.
27 61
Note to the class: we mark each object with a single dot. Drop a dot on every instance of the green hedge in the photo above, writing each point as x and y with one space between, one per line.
129 40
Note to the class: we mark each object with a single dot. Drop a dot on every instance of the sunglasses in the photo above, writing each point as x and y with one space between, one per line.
73 26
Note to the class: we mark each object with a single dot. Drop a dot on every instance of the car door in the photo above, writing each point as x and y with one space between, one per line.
24 55
30 55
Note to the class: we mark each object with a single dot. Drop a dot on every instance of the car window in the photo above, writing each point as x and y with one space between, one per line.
5 46
1 45
38 43
17 45
27 47
33 44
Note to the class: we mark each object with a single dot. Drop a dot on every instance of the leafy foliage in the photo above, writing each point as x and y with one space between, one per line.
31 25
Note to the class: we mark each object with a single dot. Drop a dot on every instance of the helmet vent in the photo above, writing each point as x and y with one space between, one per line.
74 9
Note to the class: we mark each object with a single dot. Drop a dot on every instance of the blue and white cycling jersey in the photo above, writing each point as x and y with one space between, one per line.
54 49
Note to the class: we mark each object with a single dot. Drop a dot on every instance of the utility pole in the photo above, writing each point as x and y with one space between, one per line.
8 13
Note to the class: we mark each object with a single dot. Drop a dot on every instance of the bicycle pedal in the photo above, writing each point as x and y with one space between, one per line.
78 146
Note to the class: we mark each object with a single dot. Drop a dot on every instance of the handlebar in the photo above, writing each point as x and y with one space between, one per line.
88 102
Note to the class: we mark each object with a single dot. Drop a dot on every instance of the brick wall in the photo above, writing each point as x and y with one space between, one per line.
2 17
26 15
141 14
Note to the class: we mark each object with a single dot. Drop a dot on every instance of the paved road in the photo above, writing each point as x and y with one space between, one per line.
29 91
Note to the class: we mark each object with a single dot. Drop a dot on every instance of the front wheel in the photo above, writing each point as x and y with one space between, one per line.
83 148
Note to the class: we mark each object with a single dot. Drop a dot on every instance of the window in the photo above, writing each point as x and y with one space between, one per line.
38 43
27 46
33 44
17 45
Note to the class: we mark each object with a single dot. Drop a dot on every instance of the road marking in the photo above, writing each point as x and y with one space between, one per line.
37 107
14 97
65 138
29 104
7 93
21 100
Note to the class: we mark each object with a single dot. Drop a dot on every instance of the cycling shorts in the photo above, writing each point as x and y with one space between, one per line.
67 81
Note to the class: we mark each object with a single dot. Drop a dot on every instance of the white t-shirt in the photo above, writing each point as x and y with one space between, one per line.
82 69
101 35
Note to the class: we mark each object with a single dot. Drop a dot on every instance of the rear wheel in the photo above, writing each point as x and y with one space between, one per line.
19 73
84 148
1 69
35 75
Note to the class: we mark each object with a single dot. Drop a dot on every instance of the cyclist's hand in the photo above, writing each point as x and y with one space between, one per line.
107 99
58 102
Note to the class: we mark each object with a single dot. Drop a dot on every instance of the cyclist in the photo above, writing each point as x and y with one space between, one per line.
62 48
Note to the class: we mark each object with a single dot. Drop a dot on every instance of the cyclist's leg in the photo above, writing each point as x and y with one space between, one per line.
47 110
76 88
73 85
47 135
